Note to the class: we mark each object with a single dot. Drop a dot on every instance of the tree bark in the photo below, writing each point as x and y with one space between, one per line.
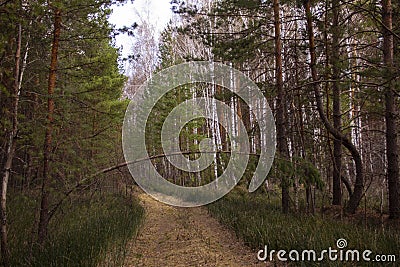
44 206
392 152
355 198
10 150
281 106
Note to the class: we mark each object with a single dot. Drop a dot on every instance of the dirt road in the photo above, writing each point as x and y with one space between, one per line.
173 236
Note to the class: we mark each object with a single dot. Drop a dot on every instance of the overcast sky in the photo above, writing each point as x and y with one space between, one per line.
158 12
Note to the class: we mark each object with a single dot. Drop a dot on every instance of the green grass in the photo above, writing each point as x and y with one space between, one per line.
89 231
259 222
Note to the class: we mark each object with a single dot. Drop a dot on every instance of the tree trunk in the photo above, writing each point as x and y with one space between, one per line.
355 198
10 150
44 206
221 119
337 115
281 106
392 152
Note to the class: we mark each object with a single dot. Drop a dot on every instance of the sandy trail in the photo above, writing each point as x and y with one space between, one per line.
173 236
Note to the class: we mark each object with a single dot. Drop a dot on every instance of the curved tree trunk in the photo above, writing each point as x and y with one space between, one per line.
355 198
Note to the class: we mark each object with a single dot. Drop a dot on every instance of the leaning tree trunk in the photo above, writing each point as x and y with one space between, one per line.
44 206
392 152
10 150
355 198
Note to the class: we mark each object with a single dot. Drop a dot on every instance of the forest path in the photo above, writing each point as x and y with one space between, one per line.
174 236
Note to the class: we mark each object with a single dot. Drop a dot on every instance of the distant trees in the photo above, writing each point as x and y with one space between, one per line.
144 59
328 71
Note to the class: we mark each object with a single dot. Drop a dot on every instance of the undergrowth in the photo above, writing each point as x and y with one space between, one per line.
89 231
259 222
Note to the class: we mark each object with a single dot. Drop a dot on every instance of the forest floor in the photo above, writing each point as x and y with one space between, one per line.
174 236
